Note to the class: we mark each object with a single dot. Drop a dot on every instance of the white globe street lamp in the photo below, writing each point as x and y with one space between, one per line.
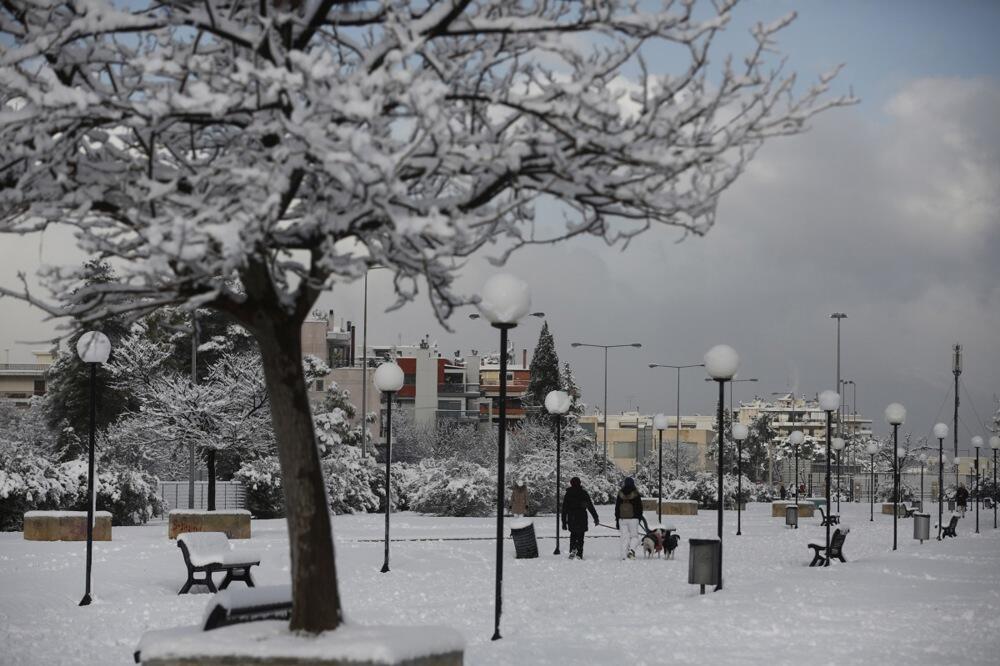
504 300
660 424
995 444
93 348
829 402
895 415
795 438
557 403
740 432
977 443
721 363
941 432
871 450
838 446
388 379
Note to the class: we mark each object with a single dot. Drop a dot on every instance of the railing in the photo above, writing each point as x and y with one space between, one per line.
23 367
459 414
228 495
458 389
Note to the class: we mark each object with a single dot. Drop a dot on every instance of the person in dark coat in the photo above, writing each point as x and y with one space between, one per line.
962 498
784 491
576 504
628 515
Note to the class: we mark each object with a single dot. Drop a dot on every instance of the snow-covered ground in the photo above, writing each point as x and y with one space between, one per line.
925 604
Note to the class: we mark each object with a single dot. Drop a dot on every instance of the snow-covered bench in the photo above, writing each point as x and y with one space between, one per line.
836 548
949 530
208 552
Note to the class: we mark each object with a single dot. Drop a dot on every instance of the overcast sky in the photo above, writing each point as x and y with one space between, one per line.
888 211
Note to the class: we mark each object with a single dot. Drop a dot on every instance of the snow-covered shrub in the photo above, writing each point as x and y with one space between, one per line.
128 494
451 487
884 493
353 484
27 482
705 489
262 480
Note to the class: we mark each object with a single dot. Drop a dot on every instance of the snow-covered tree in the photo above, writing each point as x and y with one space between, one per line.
544 371
576 408
217 153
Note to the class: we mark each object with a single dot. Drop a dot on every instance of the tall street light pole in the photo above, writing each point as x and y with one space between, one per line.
956 370
677 441
504 301
557 403
637 345
829 402
388 379
838 446
872 449
994 444
977 443
795 438
660 423
194 380
941 432
740 433
838 316
895 415
93 348
721 362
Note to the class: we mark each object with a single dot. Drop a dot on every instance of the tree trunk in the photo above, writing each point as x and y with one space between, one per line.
210 464
316 598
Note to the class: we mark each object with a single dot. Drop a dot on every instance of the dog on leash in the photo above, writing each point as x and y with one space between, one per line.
659 541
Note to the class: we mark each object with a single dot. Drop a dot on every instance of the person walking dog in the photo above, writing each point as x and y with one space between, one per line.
576 504
628 513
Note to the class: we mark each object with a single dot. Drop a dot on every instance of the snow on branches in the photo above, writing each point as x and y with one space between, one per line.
219 151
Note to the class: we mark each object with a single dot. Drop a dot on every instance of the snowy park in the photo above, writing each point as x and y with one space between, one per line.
929 603
444 332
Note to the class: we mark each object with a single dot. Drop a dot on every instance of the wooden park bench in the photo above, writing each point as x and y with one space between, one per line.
949 530
208 552
908 510
836 548
832 519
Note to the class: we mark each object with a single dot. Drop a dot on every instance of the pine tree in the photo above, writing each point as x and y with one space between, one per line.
544 370
569 385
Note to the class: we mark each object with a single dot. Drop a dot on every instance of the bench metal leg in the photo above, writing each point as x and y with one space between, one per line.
191 581
241 574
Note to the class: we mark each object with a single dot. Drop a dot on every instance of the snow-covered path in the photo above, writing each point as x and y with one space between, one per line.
925 604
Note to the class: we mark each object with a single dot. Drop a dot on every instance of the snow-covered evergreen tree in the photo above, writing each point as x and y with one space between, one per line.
577 407
544 371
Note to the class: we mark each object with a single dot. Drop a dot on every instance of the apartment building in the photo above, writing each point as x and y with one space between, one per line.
19 382
631 436
789 412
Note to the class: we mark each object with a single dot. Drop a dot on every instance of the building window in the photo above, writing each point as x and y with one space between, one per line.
410 378
39 387
623 450
319 384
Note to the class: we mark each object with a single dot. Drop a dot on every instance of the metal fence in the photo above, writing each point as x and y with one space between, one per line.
228 495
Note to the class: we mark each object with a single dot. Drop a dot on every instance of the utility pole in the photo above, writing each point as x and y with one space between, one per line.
838 316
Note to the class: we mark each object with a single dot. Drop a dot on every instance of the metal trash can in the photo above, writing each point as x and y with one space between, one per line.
922 526
792 516
525 545
704 561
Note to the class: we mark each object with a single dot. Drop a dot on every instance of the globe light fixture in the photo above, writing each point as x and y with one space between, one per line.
838 444
660 423
93 348
558 403
871 450
895 415
504 300
829 402
795 438
941 432
721 363
388 379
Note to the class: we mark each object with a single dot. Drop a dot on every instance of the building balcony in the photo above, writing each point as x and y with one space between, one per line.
457 389
23 369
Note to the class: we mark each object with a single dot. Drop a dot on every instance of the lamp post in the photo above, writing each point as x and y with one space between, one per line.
557 403
895 415
660 423
941 432
871 449
995 444
977 443
923 461
637 345
956 461
721 362
838 446
388 380
93 348
677 441
796 438
838 316
740 433
829 402
504 300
